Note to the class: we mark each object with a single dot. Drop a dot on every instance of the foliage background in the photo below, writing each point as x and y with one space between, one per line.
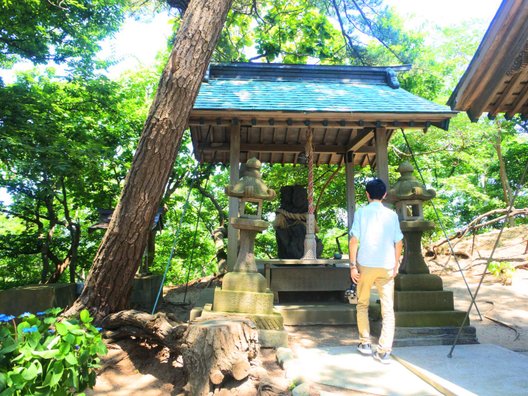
67 139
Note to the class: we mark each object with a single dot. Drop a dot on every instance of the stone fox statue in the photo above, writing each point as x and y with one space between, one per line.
290 223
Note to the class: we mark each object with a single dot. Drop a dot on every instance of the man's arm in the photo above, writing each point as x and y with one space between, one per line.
352 254
398 249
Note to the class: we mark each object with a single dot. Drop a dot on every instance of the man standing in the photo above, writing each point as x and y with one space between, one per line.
377 230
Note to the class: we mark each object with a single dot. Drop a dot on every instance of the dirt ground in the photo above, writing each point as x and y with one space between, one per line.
134 368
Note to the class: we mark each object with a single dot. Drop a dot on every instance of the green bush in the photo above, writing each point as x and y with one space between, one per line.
503 271
40 355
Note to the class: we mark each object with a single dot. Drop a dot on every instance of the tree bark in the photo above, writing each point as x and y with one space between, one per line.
216 350
109 282
156 328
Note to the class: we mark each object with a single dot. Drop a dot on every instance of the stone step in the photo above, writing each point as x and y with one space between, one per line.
426 336
430 318
407 332
423 301
422 282
323 314
308 278
317 314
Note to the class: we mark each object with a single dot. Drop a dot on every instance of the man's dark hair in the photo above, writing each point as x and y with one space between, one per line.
376 188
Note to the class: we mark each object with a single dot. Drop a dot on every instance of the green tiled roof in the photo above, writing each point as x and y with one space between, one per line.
310 96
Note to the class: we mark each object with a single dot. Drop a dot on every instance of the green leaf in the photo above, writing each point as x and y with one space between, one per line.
69 338
85 316
7 348
56 375
52 342
21 326
8 392
77 331
71 359
3 381
49 354
101 348
31 372
61 328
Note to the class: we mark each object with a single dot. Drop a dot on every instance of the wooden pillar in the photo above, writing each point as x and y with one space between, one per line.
234 167
382 156
350 189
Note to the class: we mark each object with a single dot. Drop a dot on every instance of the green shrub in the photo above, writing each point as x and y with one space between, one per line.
503 271
40 355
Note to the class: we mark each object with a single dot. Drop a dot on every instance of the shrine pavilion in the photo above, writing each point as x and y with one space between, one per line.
246 110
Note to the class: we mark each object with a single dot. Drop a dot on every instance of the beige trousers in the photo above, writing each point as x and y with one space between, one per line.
382 279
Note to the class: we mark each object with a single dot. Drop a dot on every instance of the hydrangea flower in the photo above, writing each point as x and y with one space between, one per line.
24 315
41 313
31 329
6 318
99 329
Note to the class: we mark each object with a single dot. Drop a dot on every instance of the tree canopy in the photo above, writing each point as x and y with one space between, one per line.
66 142
60 31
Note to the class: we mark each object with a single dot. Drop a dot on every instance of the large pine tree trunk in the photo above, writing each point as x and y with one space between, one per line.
109 283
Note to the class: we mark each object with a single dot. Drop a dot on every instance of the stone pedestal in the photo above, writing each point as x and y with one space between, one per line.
245 295
413 261
419 298
425 313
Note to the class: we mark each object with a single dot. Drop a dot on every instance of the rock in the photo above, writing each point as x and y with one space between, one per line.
273 387
283 355
303 389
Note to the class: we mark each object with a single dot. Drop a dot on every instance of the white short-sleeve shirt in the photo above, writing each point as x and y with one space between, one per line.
377 228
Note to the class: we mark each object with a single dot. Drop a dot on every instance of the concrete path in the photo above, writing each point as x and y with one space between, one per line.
415 371
481 369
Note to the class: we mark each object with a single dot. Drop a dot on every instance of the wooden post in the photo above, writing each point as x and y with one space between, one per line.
382 156
350 188
234 166
310 245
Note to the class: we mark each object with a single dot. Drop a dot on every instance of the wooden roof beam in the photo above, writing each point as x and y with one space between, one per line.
510 51
418 124
511 86
317 121
363 138
284 148
519 102
498 42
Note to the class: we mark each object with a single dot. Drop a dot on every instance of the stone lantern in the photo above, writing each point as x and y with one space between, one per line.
244 290
419 298
251 192
408 196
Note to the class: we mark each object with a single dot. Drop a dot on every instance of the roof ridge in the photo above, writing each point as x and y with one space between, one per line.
295 72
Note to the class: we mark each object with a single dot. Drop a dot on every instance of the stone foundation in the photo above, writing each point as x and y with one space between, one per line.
425 313
36 298
242 302
144 292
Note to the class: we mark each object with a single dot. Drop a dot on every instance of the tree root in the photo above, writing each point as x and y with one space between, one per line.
158 328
